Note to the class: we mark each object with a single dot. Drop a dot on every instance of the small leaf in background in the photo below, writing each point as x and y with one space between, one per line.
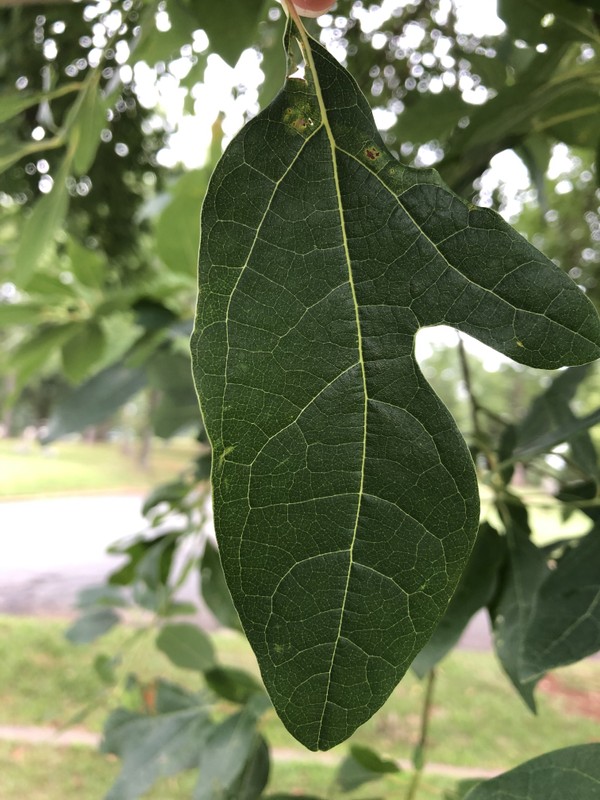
177 226
186 646
19 313
104 667
233 684
35 353
361 766
551 420
215 591
527 20
170 697
228 749
37 235
83 350
102 595
475 590
170 372
95 400
91 625
226 39
565 623
153 746
90 267
87 126
510 611
171 494
582 490
154 567
569 774
255 775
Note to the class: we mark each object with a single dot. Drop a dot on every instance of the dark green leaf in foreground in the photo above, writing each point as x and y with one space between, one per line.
569 774
565 622
345 498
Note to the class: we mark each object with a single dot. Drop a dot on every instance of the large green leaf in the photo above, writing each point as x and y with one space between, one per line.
569 774
345 498
565 623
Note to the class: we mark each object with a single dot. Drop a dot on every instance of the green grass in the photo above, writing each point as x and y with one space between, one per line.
478 720
78 467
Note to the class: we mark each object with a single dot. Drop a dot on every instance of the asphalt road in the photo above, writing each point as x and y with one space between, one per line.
53 548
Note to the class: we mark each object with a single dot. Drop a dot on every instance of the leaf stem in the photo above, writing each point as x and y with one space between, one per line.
420 749
466 376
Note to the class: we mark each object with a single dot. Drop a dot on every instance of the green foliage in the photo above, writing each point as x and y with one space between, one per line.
476 589
157 744
361 766
512 607
564 626
331 338
186 646
571 773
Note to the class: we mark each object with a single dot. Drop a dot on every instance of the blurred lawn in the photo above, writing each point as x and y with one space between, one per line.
478 720
79 467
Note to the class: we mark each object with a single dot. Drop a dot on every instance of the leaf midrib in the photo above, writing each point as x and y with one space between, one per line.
307 50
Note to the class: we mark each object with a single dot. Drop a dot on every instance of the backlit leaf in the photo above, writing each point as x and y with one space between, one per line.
345 498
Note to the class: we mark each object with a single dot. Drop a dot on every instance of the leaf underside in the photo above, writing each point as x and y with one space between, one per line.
345 498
